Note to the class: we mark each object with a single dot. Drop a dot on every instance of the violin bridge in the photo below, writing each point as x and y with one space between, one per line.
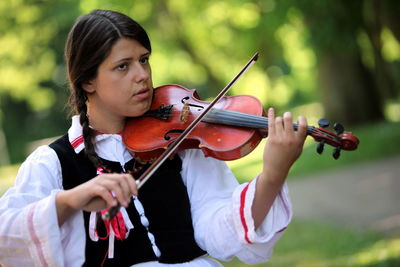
184 113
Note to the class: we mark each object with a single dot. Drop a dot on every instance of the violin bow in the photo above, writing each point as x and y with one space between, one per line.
171 148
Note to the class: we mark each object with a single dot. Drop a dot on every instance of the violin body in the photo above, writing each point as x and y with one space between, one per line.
174 108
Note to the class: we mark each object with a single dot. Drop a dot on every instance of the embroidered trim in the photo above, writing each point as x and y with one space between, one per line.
34 236
242 217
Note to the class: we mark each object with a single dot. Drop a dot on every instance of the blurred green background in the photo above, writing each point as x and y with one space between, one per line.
330 58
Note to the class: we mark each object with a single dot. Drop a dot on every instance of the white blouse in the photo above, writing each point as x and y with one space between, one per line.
220 206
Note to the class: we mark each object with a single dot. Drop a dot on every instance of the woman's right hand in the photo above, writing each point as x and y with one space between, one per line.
104 191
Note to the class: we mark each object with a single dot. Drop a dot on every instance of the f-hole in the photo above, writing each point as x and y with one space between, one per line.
184 101
166 135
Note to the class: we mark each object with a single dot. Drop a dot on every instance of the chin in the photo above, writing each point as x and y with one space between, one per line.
138 113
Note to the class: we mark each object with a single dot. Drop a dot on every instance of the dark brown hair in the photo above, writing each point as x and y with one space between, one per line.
88 45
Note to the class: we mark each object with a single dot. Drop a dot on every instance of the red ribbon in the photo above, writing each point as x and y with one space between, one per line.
118 225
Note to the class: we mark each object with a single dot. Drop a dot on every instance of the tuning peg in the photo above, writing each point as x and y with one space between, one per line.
336 153
339 129
323 123
320 147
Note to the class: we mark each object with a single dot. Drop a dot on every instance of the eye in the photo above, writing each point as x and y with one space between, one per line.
123 66
144 60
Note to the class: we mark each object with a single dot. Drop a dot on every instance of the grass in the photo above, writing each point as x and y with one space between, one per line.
309 243
316 244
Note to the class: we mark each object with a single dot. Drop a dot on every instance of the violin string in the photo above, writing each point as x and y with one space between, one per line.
251 121
262 122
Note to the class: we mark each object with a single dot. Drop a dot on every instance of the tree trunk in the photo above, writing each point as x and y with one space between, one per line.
348 92
383 77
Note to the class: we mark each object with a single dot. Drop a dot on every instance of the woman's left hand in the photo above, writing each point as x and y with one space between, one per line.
284 145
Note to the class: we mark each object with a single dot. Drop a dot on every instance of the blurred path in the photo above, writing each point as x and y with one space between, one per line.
364 195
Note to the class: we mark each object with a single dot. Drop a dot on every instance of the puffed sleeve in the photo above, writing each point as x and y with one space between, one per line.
221 211
29 231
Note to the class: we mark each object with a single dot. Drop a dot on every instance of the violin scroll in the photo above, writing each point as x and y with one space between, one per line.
340 140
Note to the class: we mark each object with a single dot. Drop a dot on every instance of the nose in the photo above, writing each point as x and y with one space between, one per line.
142 73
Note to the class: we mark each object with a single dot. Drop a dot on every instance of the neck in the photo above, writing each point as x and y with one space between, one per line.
105 123
107 129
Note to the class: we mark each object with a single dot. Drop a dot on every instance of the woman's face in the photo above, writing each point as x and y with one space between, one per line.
123 86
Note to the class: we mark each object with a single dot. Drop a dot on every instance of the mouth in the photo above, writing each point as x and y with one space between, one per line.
142 93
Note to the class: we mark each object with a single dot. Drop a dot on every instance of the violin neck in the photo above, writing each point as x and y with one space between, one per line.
239 119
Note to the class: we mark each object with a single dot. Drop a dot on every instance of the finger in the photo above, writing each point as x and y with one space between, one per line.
271 121
288 124
279 126
124 184
104 193
114 188
132 185
122 180
129 186
302 127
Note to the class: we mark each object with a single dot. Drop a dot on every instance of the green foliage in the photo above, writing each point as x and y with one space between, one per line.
28 56
199 44
32 80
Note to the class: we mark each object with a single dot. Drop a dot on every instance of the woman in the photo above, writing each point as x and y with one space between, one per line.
51 216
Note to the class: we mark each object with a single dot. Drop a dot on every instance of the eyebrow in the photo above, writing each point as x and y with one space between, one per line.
130 58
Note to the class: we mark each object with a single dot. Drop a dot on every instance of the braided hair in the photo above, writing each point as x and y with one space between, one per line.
88 45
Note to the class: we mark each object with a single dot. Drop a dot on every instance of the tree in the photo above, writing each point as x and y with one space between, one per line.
32 80
350 91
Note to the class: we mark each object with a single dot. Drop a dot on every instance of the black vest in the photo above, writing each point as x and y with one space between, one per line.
166 204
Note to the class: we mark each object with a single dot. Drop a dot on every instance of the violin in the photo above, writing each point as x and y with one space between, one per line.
230 130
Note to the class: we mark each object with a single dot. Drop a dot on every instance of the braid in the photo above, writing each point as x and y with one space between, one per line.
88 133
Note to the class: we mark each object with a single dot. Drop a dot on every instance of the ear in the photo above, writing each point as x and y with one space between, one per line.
89 86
